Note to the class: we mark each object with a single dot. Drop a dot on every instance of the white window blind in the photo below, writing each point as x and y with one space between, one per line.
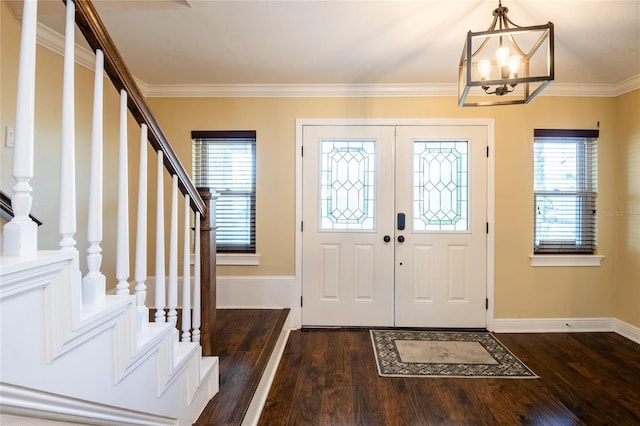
565 191
226 161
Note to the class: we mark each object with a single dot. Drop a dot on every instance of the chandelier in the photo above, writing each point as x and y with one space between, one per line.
505 66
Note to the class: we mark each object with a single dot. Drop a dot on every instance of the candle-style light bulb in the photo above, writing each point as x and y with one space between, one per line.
514 66
502 56
484 67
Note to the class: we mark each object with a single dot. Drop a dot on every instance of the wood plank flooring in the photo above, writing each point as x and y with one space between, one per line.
245 340
329 377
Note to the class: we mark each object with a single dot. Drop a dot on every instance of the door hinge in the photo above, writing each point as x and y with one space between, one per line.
302 151
486 303
487 227
301 301
487 152
301 226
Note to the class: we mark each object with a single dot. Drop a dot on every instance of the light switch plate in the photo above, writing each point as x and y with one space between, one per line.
9 136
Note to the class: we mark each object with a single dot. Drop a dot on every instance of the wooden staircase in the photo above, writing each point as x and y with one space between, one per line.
70 350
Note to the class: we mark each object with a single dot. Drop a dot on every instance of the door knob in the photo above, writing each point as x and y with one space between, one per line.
386 238
400 239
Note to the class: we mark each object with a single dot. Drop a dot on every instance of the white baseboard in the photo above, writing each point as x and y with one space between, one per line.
566 325
248 292
551 325
264 292
627 330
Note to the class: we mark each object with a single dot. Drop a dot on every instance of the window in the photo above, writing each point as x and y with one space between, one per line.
226 161
565 190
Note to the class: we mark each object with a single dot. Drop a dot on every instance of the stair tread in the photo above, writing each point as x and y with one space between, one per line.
93 312
244 354
182 352
9 264
152 332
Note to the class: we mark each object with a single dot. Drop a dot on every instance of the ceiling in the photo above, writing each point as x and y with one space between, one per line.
394 42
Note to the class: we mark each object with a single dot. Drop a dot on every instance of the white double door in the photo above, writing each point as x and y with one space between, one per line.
394 225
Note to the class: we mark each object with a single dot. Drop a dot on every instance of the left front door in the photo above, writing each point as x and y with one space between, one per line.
348 245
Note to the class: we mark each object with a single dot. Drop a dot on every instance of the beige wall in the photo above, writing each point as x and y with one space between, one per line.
612 290
625 212
520 290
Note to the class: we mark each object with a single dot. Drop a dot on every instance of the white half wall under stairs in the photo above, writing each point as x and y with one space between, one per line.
94 364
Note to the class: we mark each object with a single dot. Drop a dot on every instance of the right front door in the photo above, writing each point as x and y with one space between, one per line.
394 226
441 188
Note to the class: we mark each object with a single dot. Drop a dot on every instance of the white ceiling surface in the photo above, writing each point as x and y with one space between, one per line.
394 42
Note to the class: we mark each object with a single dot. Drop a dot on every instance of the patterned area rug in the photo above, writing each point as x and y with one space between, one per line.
403 353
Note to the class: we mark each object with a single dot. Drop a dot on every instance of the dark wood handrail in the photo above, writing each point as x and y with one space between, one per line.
5 206
95 33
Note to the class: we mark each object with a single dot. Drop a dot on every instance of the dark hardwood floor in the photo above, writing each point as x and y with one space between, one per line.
329 377
245 340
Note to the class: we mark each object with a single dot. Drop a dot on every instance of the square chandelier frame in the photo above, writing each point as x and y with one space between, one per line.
471 86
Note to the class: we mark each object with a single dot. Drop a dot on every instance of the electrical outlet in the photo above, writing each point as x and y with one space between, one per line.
9 136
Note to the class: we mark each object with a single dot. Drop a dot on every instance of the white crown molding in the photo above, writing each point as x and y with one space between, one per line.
49 39
53 41
302 90
366 90
628 85
580 90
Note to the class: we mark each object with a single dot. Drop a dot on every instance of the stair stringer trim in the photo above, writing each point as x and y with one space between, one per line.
20 401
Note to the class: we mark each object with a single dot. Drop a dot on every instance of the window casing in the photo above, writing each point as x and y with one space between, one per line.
226 161
565 191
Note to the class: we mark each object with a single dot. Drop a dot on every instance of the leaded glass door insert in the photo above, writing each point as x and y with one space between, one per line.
347 185
440 186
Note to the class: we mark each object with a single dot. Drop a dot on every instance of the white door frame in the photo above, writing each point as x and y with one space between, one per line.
296 311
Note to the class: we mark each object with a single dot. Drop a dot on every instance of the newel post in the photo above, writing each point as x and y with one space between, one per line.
208 271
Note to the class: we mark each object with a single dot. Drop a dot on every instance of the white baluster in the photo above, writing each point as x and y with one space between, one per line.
140 274
195 335
186 275
94 283
122 231
160 272
67 162
21 233
172 296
